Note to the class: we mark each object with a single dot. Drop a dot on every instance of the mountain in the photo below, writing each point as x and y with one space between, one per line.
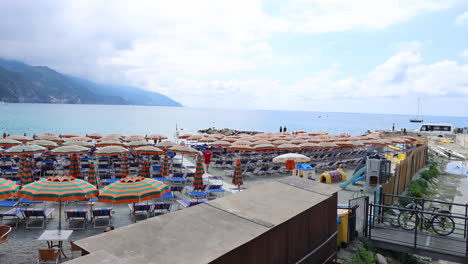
22 83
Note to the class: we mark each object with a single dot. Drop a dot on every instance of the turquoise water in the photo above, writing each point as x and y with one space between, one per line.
107 119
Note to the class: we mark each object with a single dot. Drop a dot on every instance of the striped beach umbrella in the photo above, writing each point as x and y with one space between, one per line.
309 146
58 189
69 135
92 175
132 189
236 147
8 142
27 176
80 139
94 135
75 170
85 144
69 150
185 136
237 178
8 188
135 138
25 150
148 150
21 163
44 143
111 151
145 170
183 150
157 137
288 146
220 143
165 144
136 144
50 137
165 167
264 147
20 138
107 143
199 171
124 167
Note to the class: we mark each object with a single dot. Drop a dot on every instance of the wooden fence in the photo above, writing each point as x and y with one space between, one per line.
404 172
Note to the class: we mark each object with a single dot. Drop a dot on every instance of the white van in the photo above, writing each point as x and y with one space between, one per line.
438 130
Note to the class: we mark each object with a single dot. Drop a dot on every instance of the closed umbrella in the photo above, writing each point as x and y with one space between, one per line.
145 170
8 142
8 188
27 176
58 189
92 175
75 170
21 164
198 178
165 167
124 167
237 178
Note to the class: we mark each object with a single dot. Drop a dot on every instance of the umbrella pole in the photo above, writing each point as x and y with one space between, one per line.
134 215
60 215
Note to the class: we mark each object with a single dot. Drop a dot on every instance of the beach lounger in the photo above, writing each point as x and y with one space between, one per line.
198 195
214 190
190 203
32 214
140 209
8 203
177 188
161 208
102 213
76 215
15 214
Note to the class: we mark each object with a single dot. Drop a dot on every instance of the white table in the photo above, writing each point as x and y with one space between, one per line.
54 235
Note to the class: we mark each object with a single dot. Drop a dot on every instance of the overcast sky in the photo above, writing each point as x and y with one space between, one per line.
319 55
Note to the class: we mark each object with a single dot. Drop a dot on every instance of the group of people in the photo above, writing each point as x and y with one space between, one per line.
283 129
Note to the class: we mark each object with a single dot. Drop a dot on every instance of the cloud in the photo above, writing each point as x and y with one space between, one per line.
461 19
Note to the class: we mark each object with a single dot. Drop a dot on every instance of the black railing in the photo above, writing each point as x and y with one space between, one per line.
386 225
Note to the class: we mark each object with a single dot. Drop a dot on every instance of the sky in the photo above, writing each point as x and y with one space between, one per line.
371 56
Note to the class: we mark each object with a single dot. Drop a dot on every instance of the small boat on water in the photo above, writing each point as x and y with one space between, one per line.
418 118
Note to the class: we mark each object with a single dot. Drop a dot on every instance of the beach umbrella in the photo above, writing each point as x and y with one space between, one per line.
217 136
242 142
298 158
145 170
264 147
27 176
69 135
327 145
165 167
308 146
134 138
8 142
21 163
220 143
114 136
8 188
165 144
25 150
236 147
288 146
58 189
49 137
94 135
185 136
230 139
183 150
106 143
148 150
110 151
74 170
207 139
198 178
44 143
20 138
69 150
78 143
124 167
314 140
136 144
110 138
260 142
80 139
297 141
194 137
279 142
237 178
157 137
92 179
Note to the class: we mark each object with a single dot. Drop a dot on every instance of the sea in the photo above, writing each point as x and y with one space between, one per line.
128 119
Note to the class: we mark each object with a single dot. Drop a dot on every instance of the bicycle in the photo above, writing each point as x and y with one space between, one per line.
441 223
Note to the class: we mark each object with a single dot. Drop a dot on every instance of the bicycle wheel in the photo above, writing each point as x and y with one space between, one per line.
443 225
407 220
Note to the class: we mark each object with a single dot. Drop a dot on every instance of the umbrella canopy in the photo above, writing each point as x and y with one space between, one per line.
8 188
264 147
280 142
207 139
148 150
92 175
194 137
135 138
199 171
49 137
70 135
80 139
44 143
135 144
69 150
78 143
157 137
242 142
132 189
183 150
165 144
106 143
260 142
291 156
8 142
327 145
145 170
221 143
184 136
236 147
217 136
308 146
20 138
110 151
26 174
75 170
58 188
165 167
288 146
237 178
25 150
124 167
94 135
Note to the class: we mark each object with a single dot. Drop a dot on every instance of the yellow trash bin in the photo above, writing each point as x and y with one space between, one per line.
343 236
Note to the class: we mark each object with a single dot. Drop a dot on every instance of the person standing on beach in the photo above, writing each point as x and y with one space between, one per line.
393 127
285 129
281 129
207 157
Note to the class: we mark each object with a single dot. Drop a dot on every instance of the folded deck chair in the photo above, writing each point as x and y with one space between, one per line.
32 214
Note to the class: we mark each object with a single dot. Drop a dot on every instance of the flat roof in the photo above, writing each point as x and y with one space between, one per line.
205 232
